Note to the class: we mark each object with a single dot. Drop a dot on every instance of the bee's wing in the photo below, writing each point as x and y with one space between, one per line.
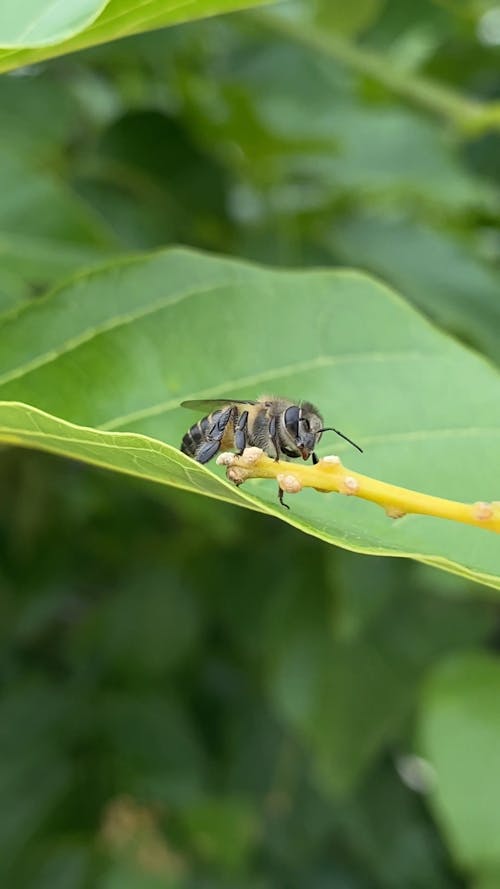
211 404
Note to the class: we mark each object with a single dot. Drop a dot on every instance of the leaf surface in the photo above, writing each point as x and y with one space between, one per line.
118 349
460 724
42 22
40 29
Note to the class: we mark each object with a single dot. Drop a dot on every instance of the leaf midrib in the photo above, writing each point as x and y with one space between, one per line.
122 320
91 333
35 21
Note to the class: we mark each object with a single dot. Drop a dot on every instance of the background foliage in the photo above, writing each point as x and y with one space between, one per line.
193 695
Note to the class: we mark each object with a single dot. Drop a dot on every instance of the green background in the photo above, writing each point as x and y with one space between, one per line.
195 695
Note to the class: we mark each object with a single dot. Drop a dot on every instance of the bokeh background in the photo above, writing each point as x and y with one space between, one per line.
194 696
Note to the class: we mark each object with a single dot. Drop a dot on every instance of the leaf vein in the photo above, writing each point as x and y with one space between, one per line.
263 378
93 332
126 14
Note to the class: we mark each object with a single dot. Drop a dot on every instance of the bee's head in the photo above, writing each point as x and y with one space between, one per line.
304 428
303 424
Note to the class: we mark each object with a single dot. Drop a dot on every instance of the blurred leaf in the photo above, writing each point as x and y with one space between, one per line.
18 703
119 349
156 754
459 730
401 18
34 769
143 631
63 865
488 880
437 272
46 230
129 876
49 120
153 185
363 589
222 831
36 204
316 691
346 19
13 291
42 31
387 153
441 584
32 263
31 789
303 131
344 697
384 814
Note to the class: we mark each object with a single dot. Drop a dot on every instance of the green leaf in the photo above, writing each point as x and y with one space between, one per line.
119 349
441 275
42 22
155 751
342 696
346 18
40 29
460 727
46 230
223 831
146 629
316 140
35 772
64 865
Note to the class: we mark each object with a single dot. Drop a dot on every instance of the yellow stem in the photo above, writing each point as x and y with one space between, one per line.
330 475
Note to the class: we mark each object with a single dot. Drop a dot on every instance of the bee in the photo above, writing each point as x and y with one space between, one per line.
276 425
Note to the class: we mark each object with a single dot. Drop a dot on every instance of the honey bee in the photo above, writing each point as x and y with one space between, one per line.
276 425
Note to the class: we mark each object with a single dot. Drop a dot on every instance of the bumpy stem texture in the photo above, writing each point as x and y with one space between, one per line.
330 475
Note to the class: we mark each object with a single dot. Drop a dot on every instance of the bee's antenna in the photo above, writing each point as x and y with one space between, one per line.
331 429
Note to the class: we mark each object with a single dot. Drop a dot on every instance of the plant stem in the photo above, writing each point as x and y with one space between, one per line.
329 475
468 115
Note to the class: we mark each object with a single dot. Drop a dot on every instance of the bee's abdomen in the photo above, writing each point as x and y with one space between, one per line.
195 436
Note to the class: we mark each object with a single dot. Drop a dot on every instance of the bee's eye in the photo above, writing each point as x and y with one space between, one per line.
292 420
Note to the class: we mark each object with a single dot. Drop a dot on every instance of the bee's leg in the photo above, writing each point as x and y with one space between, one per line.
210 447
273 435
280 498
207 450
315 458
240 433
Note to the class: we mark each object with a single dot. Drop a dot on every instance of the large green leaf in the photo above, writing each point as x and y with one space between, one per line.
460 725
41 29
119 348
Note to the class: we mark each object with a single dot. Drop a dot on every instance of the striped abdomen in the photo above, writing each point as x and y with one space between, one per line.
205 438
196 435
